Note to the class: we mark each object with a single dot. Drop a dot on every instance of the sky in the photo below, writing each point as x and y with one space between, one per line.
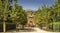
35 4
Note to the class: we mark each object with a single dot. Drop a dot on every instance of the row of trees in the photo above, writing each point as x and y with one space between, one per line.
11 12
48 15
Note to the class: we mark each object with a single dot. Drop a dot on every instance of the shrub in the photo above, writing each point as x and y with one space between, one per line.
1 27
55 26
9 26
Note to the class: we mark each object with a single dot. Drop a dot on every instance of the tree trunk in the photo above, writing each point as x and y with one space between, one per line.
22 26
4 27
17 25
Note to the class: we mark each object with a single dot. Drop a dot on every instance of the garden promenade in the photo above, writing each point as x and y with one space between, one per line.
37 31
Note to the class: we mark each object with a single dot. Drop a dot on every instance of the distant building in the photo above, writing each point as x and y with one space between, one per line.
30 18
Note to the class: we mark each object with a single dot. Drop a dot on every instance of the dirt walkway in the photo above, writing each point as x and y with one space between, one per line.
37 31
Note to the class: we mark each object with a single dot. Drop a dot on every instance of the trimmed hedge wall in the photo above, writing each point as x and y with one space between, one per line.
9 26
1 27
55 27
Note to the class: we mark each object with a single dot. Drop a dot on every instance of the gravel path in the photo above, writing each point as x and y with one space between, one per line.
37 31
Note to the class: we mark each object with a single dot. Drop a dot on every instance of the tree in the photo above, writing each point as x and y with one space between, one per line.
4 9
21 16
41 16
18 15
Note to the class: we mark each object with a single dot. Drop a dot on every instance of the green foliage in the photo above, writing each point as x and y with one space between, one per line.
48 15
19 15
41 15
10 26
12 13
55 26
